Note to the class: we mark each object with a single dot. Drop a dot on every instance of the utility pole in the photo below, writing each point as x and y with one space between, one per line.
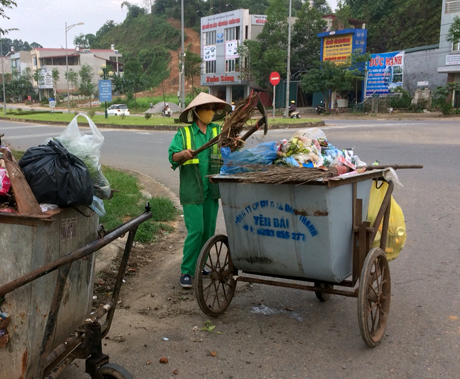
182 81
288 60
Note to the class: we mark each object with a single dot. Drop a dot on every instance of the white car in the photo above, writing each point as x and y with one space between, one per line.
118 110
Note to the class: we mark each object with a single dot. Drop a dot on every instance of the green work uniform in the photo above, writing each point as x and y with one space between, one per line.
198 196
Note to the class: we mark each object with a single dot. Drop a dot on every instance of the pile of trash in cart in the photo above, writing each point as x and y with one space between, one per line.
64 171
306 156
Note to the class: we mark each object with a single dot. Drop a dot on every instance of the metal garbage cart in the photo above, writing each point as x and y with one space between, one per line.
306 232
46 292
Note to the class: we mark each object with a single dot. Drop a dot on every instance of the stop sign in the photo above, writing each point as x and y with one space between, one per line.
274 78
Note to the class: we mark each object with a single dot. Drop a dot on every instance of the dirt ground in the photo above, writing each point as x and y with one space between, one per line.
153 309
167 245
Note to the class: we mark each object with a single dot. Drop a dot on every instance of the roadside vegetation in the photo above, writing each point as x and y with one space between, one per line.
130 202
132 120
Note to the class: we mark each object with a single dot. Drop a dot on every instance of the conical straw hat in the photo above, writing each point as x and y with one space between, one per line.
205 98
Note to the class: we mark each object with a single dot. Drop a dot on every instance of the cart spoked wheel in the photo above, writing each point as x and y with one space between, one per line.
374 297
214 283
323 296
114 371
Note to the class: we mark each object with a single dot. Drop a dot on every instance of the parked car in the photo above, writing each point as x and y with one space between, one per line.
118 110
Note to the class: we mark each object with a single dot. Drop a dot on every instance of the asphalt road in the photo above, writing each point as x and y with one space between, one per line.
422 339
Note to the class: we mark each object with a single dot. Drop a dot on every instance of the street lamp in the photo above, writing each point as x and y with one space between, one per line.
67 28
105 74
3 75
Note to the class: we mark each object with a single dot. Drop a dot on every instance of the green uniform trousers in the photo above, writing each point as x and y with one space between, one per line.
200 221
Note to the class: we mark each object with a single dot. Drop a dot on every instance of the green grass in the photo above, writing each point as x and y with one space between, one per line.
136 120
129 202
98 119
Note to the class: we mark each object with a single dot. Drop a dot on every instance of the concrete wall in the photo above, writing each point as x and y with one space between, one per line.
420 66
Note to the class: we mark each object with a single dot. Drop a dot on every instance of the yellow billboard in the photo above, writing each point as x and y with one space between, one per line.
337 48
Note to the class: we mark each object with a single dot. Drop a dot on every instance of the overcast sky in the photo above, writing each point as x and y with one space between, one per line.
43 21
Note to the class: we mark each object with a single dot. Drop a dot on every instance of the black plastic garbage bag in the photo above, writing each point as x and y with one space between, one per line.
56 176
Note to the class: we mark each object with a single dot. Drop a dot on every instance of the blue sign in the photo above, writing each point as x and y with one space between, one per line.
105 90
384 73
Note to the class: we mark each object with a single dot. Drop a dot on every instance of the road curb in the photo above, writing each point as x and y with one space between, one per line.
164 127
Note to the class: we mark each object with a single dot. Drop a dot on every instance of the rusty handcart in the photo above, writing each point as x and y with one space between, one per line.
49 321
314 232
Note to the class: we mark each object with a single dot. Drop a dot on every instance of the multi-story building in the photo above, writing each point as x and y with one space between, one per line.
449 53
223 70
47 59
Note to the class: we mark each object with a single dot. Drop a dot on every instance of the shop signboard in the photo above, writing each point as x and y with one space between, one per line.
258 19
337 48
210 53
46 80
384 73
231 49
452 59
338 45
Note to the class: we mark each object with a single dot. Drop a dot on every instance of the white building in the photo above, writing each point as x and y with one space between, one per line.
449 53
47 59
223 70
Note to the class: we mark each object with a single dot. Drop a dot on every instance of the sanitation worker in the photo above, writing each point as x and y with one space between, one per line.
198 196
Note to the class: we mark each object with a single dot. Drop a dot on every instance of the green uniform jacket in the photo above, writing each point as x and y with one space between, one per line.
194 185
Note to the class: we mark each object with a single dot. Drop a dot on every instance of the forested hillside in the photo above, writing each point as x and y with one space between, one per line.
148 41
398 24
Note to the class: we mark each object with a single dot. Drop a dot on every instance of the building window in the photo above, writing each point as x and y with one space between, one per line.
456 46
232 65
211 38
232 34
210 67
452 6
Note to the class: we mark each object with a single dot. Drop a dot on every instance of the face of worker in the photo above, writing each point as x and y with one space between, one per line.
206 113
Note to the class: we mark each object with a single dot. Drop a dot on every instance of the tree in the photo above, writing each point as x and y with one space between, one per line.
37 75
6 4
134 11
306 45
133 74
86 85
398 24
329 77
55 77
107 27
268 53
119 83
322 7
192 66
19 86
84 40
72 77
443 97
454 31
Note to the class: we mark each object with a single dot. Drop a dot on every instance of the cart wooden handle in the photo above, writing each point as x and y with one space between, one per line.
394 166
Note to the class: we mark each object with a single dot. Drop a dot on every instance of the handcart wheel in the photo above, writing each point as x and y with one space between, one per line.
214 283
323 296
114 371
374 297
